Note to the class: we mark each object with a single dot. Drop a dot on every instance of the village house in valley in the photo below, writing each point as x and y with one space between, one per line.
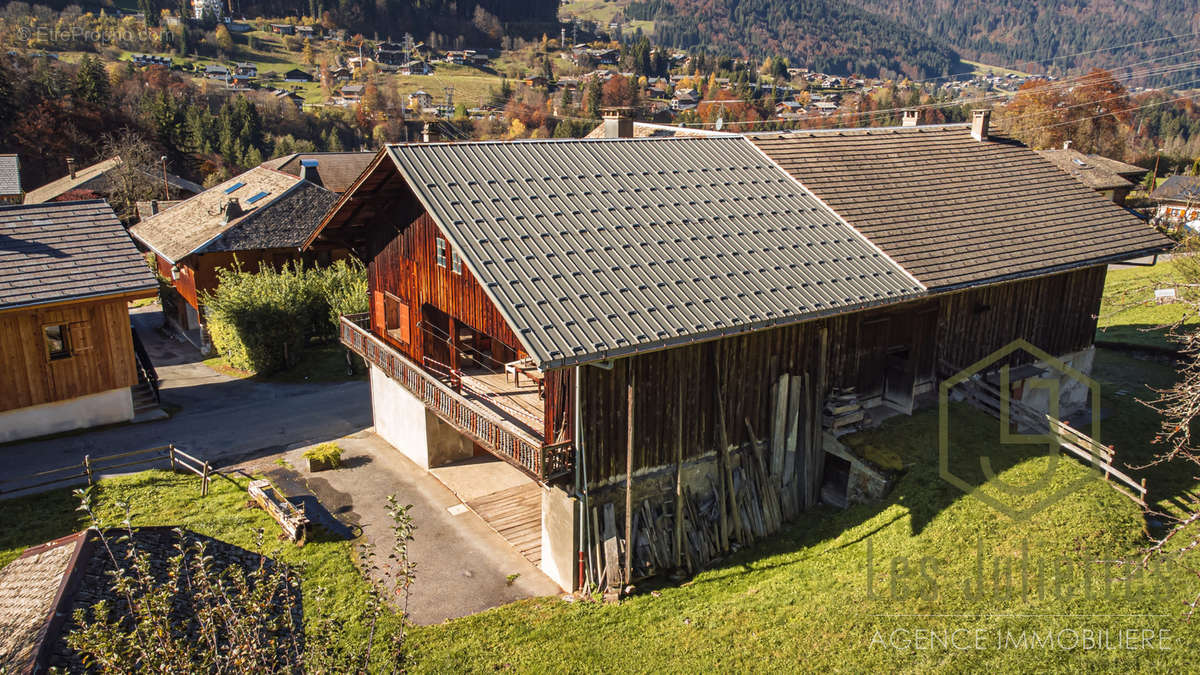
1110 177
1178 201
260 217
67 273
665 322
91 182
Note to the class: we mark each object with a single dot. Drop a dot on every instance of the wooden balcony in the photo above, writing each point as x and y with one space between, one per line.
508 436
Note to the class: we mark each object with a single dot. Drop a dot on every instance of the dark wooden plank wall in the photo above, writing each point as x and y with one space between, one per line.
102 353
406 266
1055 313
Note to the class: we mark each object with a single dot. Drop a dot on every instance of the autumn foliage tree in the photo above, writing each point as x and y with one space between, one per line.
1093 113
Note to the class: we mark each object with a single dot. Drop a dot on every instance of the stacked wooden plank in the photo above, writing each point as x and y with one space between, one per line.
843 411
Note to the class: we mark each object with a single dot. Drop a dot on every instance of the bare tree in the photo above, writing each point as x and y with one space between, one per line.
138 177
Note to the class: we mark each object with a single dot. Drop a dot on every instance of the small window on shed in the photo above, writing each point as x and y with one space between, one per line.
441 252
395 318
58 341
456 262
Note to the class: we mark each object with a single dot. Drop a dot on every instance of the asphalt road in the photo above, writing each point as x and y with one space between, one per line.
220 419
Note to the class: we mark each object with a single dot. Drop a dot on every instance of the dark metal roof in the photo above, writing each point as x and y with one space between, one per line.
599 249
64 251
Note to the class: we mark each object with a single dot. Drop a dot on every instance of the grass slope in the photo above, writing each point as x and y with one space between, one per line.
1128 314
802 601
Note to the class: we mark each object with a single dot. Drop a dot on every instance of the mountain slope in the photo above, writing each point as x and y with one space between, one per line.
827 35
1025 33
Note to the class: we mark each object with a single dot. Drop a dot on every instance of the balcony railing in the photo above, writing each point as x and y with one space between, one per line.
498 436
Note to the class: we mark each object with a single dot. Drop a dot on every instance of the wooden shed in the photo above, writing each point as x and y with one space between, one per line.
630 316
67 273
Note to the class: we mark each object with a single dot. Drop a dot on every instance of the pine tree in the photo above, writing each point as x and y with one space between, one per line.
91 81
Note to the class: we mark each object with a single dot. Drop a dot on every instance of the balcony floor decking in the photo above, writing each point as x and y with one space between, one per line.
519 404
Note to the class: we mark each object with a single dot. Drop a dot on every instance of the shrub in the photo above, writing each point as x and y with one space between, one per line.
329 454
260 321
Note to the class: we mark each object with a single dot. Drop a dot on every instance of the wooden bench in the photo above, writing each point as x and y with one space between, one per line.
291 519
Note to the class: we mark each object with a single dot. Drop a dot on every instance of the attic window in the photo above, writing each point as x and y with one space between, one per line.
234 187
257 197
441 252
58 341
456 262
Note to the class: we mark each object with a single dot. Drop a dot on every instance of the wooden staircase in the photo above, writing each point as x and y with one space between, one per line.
516 515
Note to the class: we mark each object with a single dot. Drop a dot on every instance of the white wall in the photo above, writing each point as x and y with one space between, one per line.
107 407
399 417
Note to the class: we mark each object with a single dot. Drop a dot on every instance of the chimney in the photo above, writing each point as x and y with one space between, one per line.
1066 145
71 167
430 133
912 117
979 124
232 210
617 125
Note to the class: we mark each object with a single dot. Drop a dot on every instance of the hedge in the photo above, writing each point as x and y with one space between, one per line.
261 321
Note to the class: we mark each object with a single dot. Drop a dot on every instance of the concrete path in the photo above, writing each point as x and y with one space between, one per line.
463 566
220 418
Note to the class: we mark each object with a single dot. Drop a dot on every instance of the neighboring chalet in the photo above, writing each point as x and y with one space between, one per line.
1107 176
297 75
1178 199
67 273
259 217
571 306
94 181
10 180
334 171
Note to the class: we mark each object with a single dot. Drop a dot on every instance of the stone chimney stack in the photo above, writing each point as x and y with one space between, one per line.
912 117
232 210
1066 145
71 167
617 124
979 124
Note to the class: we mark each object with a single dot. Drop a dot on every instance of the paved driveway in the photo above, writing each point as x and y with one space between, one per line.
221 419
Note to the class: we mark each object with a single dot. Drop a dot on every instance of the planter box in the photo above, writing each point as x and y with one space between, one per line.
318 464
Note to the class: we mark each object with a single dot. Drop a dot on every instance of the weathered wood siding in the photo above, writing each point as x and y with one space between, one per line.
675 391
406 267
102 353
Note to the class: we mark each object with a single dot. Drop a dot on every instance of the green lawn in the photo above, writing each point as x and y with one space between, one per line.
1128 313
318 364
802 601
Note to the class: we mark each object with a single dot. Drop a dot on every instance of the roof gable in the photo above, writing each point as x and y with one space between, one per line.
198 223
599 249
64 251
955 211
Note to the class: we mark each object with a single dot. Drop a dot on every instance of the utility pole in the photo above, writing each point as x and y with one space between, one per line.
166 185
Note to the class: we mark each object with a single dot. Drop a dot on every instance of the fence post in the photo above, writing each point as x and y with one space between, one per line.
87 466
171 453
204 481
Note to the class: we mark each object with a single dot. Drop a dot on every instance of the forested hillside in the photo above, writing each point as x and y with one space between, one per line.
451 18
826 35
1024 33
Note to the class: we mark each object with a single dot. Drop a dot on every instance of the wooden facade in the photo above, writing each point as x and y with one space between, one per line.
100 352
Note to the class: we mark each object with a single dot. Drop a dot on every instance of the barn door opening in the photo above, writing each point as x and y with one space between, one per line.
901 380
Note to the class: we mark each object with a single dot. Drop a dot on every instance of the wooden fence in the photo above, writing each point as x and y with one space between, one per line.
986 396
91 466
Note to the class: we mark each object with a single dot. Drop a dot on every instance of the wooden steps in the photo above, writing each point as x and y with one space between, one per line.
516 515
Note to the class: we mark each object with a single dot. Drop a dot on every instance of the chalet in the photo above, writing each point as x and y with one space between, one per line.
536 81
67 273
334 171
420 100
416 68
685 98
144 60
352 93
391 53
96 181
258 217
1107 176
307 32
10 180
613 315
1178 200
297 75
216 72
245 70
283 29
289 96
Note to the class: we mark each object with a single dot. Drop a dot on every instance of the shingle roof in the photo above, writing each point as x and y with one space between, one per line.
1085 170
1130 171
334 171
955 211
29 596
598 249
10 175
66 250
1179 189
87 174
199 223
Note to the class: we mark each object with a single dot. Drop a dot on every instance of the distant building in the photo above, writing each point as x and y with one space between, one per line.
94 180
10 180
213 8
416 68
420 100
1107 176
352 92
297 75
1178 200
283 29
143 60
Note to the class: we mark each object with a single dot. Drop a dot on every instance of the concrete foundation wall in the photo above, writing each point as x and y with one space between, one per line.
444 444
107 407
560 556
400 418
1073 394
